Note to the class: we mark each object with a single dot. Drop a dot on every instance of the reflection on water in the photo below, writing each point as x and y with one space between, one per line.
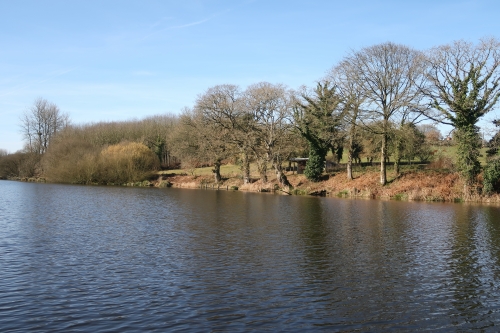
125 259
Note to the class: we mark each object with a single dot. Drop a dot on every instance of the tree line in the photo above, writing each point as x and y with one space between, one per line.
371 104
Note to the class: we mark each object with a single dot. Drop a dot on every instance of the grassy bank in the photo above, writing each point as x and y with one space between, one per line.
415 183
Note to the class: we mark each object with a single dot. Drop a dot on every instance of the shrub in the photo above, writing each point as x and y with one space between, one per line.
343 194
314 166
400 196
11 164
491 176
71 160
442 163
127 162
425 154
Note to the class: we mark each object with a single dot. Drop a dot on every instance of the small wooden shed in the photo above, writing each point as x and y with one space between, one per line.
299 164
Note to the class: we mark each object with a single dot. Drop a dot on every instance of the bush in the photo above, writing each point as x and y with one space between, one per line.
10 165
127 162
314 166
425 153
491 176
490 152
73 160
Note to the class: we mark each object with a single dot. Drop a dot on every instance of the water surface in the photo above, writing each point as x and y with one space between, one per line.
108 259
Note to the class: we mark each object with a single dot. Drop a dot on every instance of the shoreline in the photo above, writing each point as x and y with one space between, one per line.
424 185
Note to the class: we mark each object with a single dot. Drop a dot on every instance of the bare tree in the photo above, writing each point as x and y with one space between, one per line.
218 115
431 133
465 85
390 77
408 118
187 141
40 123
270 106
156 132
351 98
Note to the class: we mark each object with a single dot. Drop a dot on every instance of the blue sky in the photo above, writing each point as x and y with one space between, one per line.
118 60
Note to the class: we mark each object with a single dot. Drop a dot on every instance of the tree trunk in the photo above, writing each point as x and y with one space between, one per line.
383 154
467 156
352 133
246 168
216 171
281 177
397 160
350 153
262 165
397 156
349 164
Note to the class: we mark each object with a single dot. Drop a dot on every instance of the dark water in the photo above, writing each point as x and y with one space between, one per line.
128 259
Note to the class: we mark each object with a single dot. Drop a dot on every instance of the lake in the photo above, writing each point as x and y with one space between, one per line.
116 259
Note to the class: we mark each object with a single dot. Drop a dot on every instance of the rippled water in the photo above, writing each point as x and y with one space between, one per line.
108 259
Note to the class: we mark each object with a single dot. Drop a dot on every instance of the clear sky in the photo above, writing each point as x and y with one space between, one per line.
118 60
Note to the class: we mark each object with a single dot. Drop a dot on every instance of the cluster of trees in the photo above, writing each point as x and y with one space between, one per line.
380 92
370 104
251 125
105 152
39 125
268 124
392 87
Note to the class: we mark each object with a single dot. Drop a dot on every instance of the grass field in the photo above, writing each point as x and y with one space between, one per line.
451 152
228 170
231 170
446 151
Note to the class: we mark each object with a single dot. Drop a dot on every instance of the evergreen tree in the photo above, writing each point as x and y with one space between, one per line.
318 120
314 165
491 175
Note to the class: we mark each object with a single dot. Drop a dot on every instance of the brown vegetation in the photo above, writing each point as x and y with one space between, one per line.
81 163
418 185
